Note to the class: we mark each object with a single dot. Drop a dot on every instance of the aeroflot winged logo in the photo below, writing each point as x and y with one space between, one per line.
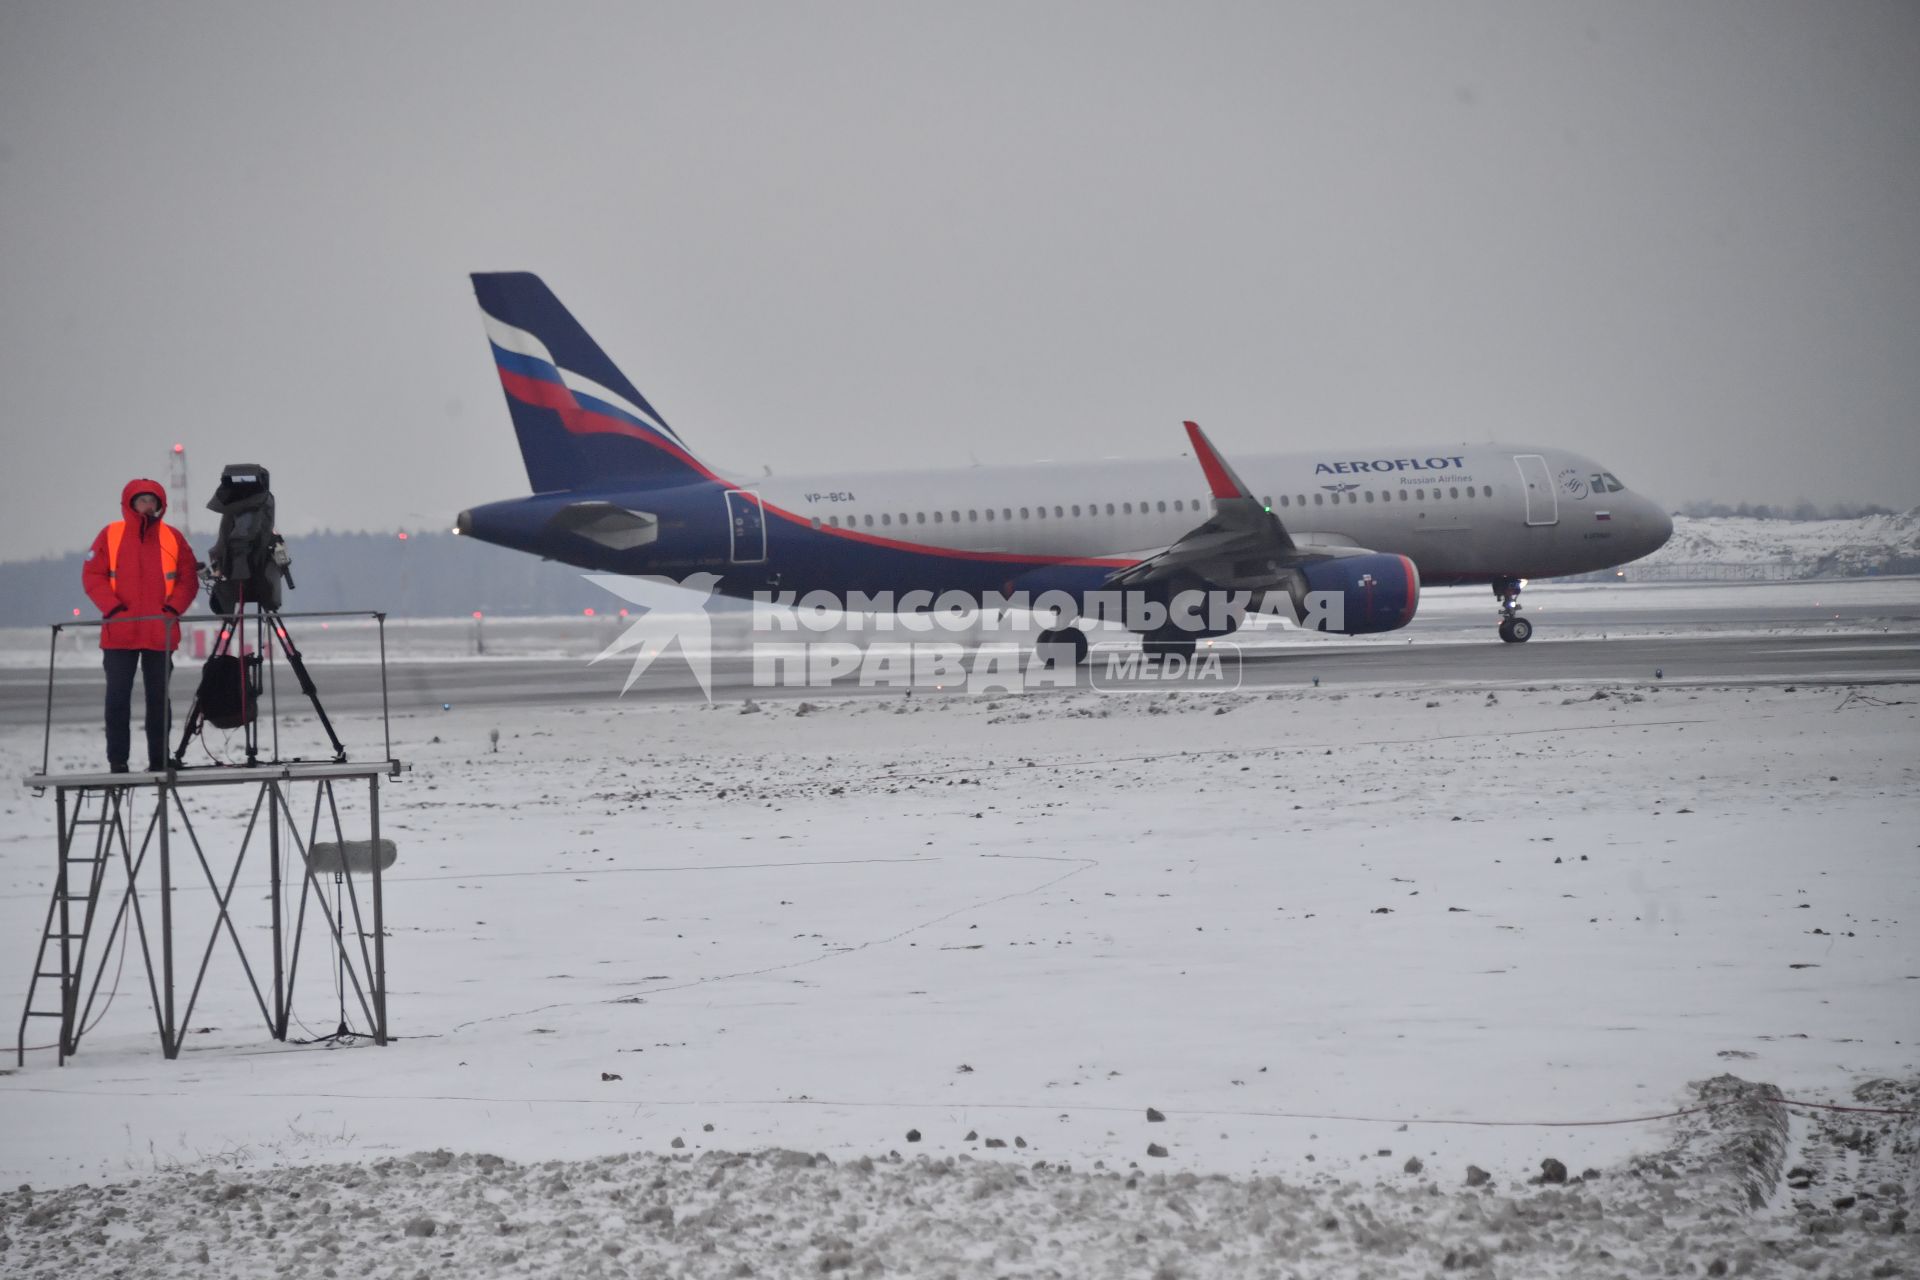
664 621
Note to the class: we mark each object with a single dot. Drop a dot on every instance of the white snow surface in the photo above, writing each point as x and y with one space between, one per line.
1322 932
1798 548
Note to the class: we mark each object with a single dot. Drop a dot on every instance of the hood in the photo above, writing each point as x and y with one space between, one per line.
134 489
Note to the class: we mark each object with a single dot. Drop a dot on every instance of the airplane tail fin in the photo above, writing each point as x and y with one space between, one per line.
581 424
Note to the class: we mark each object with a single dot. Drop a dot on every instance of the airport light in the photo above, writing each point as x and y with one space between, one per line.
402 535
586 613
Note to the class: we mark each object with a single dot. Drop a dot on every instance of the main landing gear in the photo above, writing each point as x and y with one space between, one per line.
1514 629
1065 646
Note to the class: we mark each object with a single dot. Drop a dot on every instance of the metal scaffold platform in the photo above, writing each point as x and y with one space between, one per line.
111 854
149 864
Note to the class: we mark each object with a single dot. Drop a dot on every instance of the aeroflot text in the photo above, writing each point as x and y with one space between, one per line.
1388 464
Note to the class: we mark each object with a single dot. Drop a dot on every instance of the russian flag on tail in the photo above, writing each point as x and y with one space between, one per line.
581 423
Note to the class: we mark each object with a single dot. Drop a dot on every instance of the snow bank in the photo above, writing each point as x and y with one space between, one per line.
1787 548
991 1212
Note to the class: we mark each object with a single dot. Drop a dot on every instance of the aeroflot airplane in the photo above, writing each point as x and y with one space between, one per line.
617 490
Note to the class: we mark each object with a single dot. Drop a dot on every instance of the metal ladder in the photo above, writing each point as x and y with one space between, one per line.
76 892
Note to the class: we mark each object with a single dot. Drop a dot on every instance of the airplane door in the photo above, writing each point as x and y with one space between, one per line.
747 527
1543 504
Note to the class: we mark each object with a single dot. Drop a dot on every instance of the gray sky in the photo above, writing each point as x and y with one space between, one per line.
1684 238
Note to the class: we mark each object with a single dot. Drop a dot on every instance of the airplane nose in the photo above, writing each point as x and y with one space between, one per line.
1659 526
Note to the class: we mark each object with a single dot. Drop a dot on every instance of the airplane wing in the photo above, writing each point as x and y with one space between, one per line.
1242 545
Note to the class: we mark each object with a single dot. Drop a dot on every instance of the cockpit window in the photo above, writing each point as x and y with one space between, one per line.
1604 482
1613 485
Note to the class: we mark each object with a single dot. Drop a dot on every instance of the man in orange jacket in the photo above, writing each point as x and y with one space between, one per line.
141 572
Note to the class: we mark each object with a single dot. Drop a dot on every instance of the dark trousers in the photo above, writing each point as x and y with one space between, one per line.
154 665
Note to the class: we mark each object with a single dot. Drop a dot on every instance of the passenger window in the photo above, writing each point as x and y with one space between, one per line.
937 516
1369 495
973 516
919 517
1059 512
1163 506
1318 499
1403 495
1352 498
989 515
1453 493
1006 513
869 520
816 522
1023 513
1076 508
885 518
954 516
1109 508
1419 495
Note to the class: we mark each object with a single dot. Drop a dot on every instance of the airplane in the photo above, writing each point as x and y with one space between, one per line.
615 489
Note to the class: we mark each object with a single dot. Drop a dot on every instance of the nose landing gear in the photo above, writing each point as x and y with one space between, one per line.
1514 629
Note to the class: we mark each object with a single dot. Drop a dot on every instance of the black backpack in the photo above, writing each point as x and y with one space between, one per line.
228 699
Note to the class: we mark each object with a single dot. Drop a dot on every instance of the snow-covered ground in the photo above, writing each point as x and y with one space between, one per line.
1324 934
1788 548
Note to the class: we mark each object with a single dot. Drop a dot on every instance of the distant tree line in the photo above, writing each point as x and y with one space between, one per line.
1801 510
420 576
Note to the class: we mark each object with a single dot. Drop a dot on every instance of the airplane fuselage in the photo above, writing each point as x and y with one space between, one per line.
1462 514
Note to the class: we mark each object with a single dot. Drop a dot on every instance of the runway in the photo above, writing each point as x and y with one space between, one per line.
1841 657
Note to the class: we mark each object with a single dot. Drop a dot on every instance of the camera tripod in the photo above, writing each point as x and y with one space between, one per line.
234 625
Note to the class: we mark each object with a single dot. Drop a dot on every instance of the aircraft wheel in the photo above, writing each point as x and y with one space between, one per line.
1516 630
1067 645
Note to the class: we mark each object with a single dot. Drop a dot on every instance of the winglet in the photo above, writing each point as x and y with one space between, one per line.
1221 478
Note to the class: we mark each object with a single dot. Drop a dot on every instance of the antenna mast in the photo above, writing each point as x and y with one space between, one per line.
177 505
